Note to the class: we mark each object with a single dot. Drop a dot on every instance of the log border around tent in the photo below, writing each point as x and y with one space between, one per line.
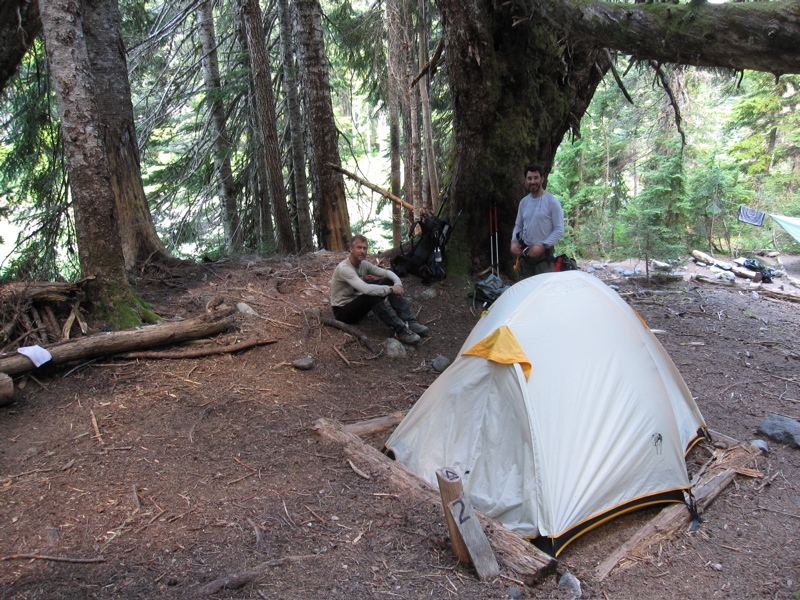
714 477
527 563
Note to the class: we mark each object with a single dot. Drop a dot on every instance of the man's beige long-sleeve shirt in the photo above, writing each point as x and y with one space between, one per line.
348 282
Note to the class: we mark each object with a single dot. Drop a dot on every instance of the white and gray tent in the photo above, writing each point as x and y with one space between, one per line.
561 411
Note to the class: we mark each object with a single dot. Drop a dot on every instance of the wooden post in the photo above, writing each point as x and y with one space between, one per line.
451 489
480 551
524 560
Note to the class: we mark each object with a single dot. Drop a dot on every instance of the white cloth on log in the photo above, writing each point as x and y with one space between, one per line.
37 354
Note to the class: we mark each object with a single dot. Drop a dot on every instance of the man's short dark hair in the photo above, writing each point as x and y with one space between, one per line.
534 169
358 238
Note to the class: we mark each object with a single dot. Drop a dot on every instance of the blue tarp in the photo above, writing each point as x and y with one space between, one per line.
790 224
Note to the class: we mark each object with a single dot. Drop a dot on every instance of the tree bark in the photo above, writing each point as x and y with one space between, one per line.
112 92
516 91
93 198
218 128
305 235
104 344
333 222
431 176
393 103
738 35
409 104
267 120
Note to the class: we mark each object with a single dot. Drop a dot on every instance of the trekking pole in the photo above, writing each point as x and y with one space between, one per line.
496 252
491 241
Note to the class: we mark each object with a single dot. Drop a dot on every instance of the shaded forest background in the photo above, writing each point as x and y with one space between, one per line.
657 165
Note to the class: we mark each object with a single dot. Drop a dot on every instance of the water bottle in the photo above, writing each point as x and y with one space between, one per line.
437 254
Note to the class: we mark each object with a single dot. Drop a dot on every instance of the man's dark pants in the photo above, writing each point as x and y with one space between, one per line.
395 317
546 263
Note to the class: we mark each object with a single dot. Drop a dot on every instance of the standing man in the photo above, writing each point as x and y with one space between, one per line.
539 225
358 286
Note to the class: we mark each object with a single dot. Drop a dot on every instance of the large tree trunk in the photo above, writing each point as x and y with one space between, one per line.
516 91
218 128
112 92
409 102
259 179
267 120
333 223
305 237
93 199
393 49
431 176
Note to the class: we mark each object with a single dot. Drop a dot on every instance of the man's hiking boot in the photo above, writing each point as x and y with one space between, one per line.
418 328
407 336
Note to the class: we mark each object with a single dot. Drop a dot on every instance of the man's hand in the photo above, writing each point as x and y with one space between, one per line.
535 251
516 249
397 289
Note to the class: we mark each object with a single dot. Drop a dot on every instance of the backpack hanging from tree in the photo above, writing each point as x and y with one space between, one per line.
425 258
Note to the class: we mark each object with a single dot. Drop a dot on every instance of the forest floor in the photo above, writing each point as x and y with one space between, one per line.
175 473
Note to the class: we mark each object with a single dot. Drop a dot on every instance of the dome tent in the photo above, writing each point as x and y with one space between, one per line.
561 411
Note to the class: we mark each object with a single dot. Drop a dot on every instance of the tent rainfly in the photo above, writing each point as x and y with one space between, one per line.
561 411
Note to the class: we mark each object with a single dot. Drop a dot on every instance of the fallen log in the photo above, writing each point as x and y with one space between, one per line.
779 295
703 257
764 292
523 559
676 516
375 425
354 331
37 291
104 344
743 272
704 279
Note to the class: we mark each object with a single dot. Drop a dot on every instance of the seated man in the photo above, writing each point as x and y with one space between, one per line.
358 286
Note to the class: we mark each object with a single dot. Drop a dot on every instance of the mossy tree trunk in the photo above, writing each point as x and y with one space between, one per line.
93 200
517 89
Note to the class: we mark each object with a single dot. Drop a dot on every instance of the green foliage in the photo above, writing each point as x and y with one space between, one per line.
626 185
629 189
33 176
355 46
654 218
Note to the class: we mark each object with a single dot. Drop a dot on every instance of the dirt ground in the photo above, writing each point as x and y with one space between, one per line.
208 467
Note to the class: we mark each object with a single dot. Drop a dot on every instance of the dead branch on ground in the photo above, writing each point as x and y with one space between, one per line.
197 352
350 329
238 580
53 558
